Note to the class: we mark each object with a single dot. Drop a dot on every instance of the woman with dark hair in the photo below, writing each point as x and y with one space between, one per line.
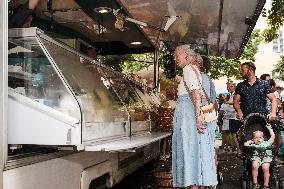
275 126
193 150
221 100
265 77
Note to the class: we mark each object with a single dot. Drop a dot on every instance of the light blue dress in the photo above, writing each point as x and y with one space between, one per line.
193 153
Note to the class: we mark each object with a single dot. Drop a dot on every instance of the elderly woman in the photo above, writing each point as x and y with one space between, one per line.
192 143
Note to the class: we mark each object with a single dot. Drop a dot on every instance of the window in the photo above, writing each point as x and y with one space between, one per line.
275 48
278 43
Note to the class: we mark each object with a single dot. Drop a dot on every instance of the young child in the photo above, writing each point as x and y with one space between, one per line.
257 160
224 114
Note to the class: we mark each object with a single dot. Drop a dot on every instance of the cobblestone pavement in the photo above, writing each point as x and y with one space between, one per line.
231 167
232 170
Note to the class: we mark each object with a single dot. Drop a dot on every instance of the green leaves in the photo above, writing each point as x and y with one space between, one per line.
278 71
270 34
129 64
252 46
136 62
224 67
230 68
221 67
275 20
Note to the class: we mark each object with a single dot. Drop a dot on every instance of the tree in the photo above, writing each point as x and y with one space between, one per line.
115 61
275 20
224 67
130 63
136 62
278 71
231 67
251 47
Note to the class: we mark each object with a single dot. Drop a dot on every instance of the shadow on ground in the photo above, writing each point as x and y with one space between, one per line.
231 168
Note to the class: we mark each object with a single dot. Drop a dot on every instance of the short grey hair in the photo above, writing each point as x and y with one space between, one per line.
196 57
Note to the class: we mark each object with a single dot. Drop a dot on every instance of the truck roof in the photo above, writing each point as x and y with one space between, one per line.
214 27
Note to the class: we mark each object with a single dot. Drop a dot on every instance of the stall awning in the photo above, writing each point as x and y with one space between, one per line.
221 26
129 143
217 27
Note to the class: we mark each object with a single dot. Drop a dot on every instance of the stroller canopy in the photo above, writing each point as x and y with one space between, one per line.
255 122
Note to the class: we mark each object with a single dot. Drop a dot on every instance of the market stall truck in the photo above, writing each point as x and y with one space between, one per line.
72 122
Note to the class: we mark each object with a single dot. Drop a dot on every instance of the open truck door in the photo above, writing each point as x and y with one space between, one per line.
3 86
58 98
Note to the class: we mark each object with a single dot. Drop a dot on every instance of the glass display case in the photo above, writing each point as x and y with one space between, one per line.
58 96
136 107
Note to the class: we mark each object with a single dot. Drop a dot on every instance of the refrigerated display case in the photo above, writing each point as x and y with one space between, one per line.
58 96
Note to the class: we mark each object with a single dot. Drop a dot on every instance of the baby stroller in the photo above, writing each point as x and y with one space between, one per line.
254 122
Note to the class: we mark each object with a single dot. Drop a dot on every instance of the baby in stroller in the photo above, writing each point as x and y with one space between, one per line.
261 156
258 137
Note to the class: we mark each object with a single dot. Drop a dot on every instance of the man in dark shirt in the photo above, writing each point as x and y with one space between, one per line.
250 95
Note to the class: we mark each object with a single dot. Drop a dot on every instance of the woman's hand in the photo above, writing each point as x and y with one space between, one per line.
200 128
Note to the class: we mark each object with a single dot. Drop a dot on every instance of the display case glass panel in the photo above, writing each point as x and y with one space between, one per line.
145 95
128 94
32 75
98 100
122 87
53 82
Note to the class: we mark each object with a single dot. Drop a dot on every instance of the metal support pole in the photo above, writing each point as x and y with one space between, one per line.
3 84
156 69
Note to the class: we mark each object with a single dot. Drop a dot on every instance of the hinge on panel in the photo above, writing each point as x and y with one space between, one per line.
68 139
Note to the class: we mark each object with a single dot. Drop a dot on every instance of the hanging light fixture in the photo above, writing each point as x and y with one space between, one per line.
103 10
136 43
119 22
